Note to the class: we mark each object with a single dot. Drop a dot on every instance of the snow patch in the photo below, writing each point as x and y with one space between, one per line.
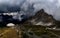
43 24
10 25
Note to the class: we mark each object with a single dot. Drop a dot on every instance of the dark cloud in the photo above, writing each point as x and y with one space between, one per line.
31 6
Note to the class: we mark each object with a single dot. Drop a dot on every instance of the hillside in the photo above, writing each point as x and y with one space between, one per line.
41 25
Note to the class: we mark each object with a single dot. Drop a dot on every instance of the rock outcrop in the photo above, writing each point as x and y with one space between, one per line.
41 18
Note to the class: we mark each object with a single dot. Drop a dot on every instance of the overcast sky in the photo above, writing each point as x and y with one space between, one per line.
50 6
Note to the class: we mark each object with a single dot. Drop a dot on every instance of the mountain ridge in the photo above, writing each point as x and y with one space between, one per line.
41 18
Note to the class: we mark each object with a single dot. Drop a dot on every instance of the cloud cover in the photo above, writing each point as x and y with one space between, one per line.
31 6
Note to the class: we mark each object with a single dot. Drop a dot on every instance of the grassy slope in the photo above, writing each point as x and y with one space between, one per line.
39 30
8 33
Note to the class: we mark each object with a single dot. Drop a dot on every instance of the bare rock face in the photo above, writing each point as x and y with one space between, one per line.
41 18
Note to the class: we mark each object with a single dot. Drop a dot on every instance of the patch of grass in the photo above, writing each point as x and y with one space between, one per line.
8 33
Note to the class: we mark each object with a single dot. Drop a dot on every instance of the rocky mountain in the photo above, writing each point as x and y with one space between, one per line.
41 18
41 25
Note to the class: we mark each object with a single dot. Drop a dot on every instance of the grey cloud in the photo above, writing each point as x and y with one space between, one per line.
31 6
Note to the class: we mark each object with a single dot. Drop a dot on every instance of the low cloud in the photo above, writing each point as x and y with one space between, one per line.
29 7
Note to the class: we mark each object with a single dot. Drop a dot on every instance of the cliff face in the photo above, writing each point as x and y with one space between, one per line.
41 18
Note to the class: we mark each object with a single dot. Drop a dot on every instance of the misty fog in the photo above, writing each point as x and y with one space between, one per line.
29 7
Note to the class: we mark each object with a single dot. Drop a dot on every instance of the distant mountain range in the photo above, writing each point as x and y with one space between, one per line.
41 18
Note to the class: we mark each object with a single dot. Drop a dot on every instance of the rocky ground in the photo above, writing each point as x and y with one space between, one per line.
40 32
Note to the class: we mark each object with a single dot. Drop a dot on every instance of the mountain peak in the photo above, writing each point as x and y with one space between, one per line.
41 18
41 13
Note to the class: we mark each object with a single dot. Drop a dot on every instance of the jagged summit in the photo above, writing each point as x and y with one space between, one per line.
40 12
41 18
